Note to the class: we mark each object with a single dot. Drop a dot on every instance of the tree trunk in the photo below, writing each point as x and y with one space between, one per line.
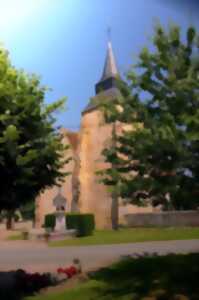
10 221
115 212
115 198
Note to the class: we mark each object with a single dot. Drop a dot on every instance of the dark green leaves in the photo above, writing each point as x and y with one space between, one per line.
159 157
31 148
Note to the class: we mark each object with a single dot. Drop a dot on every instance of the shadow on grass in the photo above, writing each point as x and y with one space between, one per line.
8 287
15 285
155 277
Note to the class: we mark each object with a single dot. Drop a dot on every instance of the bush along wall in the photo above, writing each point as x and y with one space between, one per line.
83 223
49 221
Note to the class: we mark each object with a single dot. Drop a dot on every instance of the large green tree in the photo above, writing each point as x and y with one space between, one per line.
31 148
156 159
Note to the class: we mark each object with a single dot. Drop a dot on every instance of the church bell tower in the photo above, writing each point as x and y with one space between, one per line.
94 134
110 72
106 88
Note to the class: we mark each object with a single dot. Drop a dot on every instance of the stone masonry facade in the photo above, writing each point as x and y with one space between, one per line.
82 189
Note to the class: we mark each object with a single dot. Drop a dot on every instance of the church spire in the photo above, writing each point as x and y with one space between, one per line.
107 87
110 67
110 73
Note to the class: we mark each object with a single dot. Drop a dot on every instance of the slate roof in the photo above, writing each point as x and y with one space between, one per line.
110 67
107 86
109 95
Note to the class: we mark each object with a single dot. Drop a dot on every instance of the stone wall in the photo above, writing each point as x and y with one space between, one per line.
82 188
167 219
126 209
44 203
94 197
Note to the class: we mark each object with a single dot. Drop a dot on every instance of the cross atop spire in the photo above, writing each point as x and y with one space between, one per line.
109 33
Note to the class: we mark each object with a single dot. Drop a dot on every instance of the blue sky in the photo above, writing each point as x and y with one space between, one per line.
64 41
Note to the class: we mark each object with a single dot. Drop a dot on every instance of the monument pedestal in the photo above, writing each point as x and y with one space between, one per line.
40 234
60 235
61 231
60 223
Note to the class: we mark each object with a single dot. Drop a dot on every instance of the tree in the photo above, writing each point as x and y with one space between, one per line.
27 211
156 158
31 148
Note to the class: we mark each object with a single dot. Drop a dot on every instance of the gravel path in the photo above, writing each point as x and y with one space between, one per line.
34 256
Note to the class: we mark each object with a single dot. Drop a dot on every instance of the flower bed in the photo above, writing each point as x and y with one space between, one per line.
20 283
27 283
67 273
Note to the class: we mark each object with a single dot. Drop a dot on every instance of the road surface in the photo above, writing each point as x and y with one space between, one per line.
34 256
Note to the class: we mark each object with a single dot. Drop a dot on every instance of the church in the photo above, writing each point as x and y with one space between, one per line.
82 189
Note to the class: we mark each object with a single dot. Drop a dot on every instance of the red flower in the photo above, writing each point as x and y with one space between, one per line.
73 270
60 270
69 272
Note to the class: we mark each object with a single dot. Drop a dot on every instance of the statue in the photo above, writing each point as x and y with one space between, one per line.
60 204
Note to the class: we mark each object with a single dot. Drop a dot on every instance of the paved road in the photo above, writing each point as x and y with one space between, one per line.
38 257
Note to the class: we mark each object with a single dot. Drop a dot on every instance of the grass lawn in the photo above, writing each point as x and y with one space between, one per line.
15 237
149 278
131 236
83 292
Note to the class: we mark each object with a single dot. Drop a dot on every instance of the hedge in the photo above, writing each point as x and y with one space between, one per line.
83 223
50 221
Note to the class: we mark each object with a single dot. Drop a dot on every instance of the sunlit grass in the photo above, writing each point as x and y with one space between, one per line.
15 237
133 235
83 292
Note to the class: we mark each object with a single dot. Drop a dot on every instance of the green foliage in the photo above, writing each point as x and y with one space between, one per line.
49 221
83 223
6 214
151 276
28 211
72 221
31 148
156 162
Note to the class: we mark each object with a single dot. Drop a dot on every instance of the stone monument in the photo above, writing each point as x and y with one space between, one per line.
60 205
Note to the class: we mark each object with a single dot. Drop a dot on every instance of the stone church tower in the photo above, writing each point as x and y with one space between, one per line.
95 134
82 189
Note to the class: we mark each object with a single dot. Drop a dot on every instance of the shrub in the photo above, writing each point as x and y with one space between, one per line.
72 221
83 223
50 221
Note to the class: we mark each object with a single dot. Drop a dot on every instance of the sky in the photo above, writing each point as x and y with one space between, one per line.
64 41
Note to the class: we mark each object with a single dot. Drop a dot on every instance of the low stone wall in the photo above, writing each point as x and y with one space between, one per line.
164 219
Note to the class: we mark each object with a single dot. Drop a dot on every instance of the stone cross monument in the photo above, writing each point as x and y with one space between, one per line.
60 204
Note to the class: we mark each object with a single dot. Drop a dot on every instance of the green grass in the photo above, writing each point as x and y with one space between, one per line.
131 236
155 277
83 292
15 237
